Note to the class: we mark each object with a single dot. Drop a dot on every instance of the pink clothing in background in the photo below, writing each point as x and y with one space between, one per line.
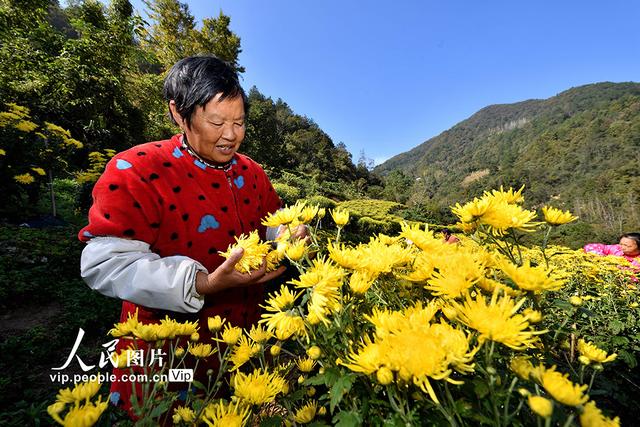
615 250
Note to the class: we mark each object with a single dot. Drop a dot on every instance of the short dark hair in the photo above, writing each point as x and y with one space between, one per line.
633 236
195 80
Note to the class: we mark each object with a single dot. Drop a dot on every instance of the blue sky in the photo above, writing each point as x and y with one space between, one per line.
385 76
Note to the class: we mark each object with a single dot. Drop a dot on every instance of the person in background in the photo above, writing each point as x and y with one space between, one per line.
162 211
628 247
448 236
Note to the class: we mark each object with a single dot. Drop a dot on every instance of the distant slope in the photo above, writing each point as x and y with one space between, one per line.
579 149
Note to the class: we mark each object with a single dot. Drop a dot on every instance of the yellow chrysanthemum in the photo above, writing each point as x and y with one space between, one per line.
422 268
82 391
344 256
296 250
182 414
281 300
284 216
25 178
259 334
314 352
562 389
378 258
201 351
522 367
510 196
215 323
306 365
407 343
254 252
589 353
384 375
455 277
307 413
284 324
534 279
228 415
540 405
243 352
533 316
502 216
308 213
361 281
591 416
423 239
325 280
555 216
258 387
79 416
340 216
471 211
123 359
125 328
497 321
231 334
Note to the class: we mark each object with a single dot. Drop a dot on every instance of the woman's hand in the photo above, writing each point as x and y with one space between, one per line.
226 276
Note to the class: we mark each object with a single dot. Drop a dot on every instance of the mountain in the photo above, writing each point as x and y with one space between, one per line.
578 150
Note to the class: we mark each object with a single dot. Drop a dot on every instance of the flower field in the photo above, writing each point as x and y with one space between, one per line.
405 330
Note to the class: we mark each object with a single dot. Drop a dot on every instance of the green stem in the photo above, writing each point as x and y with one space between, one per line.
569 421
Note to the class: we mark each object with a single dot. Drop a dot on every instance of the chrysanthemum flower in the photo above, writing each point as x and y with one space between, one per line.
280 300
533 316
422 268
325 280
254 252
591 416
306 414
259 334
502 216
534 279
227 415
340 216
308 213
473 210
379 258
201 351
122 359
555 216
456 276
562 389
125 328
306 365
25 178
182 414
344 256
258 387
243 351
384 375
296 250
423 239
590 353
147 332
540 405
231 334
284 324
314 352
522 367
84 415
360 281
288 215
497 321
83 391
510 196
215 323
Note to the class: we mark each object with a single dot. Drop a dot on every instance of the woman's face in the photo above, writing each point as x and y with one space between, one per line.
629 246
217 129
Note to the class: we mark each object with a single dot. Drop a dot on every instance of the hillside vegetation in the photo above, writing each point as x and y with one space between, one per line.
577 150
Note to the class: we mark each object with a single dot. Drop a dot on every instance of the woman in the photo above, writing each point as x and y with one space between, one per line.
628 247
163 210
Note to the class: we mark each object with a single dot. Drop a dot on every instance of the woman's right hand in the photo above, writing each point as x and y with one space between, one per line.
226 276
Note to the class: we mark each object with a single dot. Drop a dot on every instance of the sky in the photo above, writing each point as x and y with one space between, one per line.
382 77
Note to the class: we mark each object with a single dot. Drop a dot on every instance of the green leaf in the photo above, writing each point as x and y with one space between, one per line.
480 388
339 389
563 304
616 326
162 407
198 384
347 419
618 340
274 421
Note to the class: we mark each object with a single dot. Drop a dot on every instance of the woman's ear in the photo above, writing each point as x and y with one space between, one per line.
175 115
